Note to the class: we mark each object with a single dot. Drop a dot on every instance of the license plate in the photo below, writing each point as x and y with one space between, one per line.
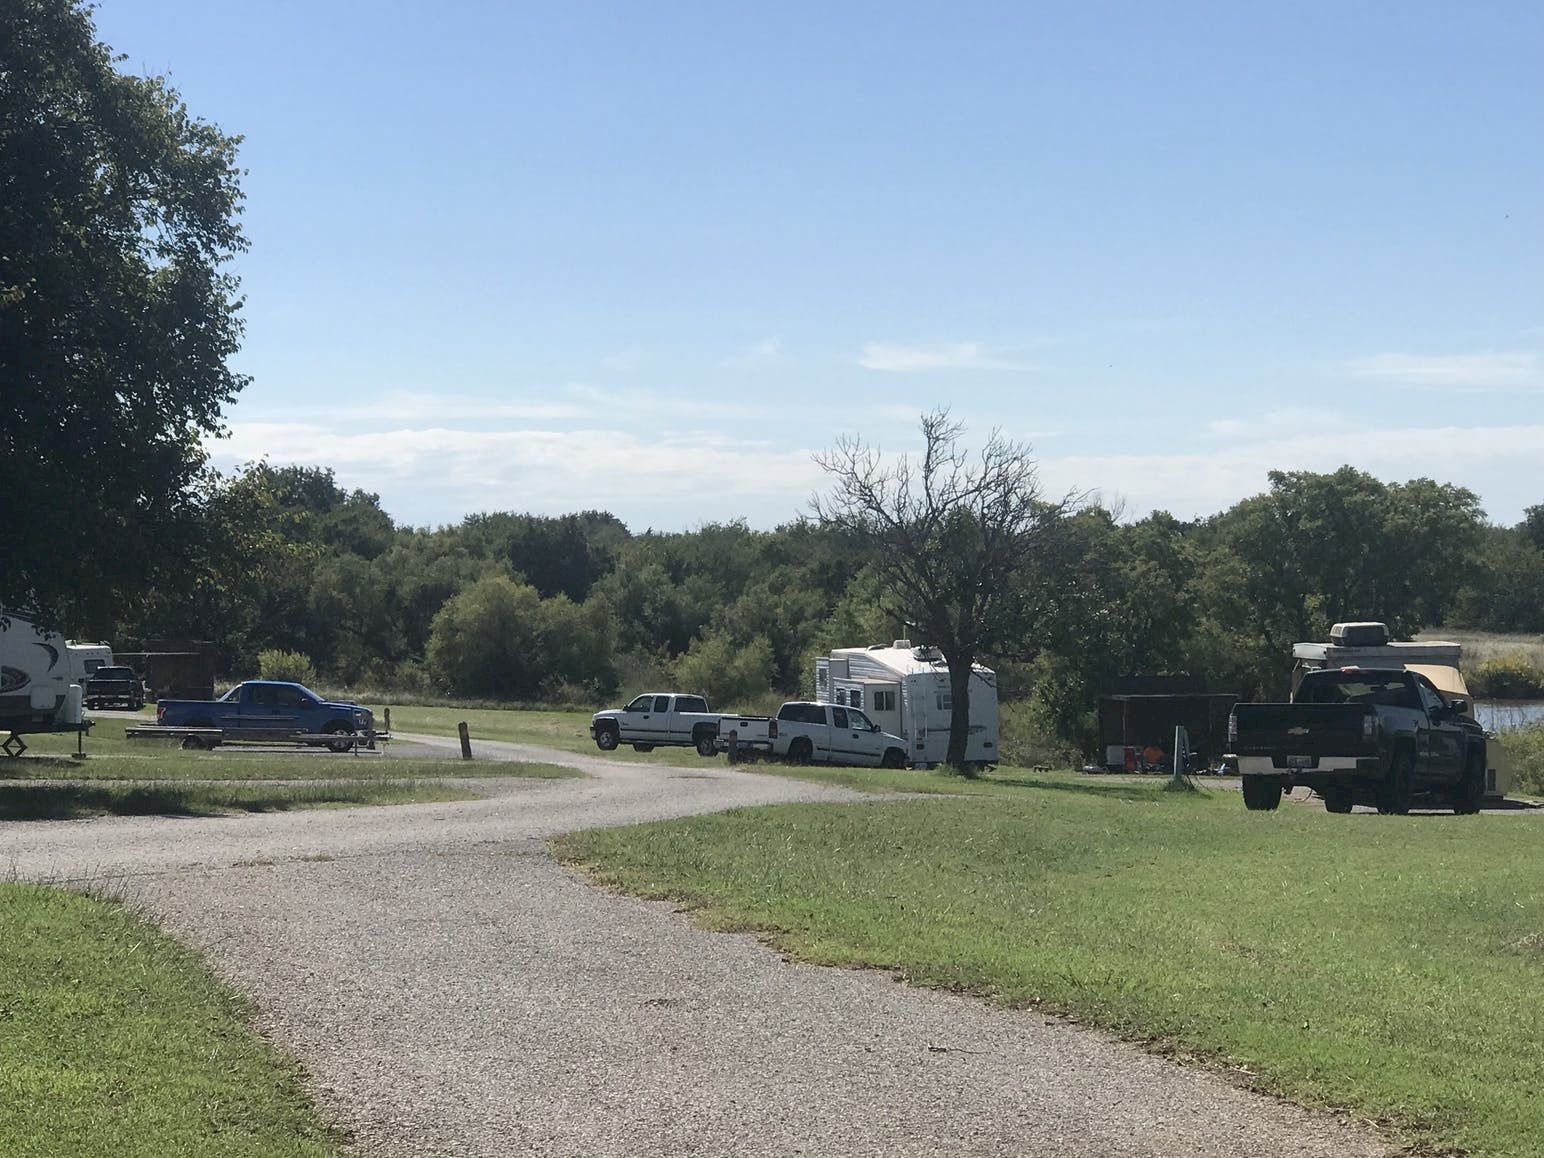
1300 761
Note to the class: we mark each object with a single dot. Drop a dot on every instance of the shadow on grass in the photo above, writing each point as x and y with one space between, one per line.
1113 790
77 801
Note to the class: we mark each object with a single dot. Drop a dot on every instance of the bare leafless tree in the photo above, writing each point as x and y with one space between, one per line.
949 536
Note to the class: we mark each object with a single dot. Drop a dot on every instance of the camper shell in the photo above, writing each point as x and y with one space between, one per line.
905 690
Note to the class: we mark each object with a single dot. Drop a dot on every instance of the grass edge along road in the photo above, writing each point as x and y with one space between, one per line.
119 1043
1389 965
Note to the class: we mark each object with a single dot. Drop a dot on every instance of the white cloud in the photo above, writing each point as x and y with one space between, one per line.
434 476
761 353
1518 370
920 359
1497 462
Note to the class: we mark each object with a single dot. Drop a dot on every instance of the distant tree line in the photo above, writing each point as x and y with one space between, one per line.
579 609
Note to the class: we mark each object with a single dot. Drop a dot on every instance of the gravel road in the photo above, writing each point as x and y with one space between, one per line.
452 991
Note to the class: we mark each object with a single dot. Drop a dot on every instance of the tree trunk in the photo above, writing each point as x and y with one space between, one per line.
960 667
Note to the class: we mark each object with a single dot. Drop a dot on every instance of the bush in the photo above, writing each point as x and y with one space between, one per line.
286 665
1507 677
1524 750
1028 739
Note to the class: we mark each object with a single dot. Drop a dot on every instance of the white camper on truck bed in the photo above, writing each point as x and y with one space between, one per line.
905 690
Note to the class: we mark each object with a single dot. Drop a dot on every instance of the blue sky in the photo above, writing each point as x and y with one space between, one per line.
649 257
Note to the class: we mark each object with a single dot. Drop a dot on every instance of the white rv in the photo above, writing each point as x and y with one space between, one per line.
86 658
38 692
905 690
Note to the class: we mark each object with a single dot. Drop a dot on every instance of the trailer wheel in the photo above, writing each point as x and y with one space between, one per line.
800 751
1261 794
606 738
1337 799
345 735
707 744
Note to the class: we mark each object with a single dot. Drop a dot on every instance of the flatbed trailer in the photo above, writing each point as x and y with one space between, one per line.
213 737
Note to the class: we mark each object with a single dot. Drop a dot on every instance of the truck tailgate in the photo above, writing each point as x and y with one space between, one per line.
1303 730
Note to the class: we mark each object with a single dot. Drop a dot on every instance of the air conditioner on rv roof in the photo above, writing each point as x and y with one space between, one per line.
1359 635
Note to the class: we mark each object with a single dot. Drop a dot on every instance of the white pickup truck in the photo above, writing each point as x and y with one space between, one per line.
656 720
804 731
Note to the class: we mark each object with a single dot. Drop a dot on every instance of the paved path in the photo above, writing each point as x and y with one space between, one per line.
452 991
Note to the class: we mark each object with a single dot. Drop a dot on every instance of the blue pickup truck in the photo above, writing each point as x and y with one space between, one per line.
272 710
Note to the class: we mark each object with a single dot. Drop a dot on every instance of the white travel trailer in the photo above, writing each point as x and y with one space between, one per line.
905 690
38 691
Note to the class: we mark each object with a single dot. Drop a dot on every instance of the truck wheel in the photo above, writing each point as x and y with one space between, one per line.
1398 786
707 744
1337 799
1471 788
340 730
1260 794
800 751
193 743
643 747
894 758
606 739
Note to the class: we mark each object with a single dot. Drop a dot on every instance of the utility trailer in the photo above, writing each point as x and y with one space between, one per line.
196 737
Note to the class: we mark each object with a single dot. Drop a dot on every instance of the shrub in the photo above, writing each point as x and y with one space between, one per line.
1524 750
1507 677
286 665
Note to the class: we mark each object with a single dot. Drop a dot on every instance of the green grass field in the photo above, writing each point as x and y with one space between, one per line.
116 1042
1393 965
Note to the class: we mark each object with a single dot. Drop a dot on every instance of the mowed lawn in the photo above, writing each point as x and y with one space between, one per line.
116 1042
1391 965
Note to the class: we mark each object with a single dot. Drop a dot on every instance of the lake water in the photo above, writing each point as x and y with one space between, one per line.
1508 715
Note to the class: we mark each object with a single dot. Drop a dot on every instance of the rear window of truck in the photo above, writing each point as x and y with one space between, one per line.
1358 688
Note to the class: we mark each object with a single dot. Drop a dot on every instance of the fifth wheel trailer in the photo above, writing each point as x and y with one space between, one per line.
906 691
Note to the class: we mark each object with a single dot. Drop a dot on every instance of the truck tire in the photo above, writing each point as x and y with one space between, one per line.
193 743
606 738
801 751
707 744
1261 794
1471 786
1398 786
339 729
1337 799
894 758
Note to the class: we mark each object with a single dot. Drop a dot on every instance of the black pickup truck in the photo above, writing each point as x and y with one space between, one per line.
114 687
1378 736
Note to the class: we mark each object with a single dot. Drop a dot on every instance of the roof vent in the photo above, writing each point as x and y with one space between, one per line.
1359 635
927 654
903 644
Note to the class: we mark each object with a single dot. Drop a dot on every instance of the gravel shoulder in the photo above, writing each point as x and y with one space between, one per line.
452 991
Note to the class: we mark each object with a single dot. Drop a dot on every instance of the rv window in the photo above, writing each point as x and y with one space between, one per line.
820 677
884 701
946 701
839 717
841 695
855 698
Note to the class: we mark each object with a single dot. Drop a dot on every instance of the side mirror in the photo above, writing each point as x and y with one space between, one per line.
1458 707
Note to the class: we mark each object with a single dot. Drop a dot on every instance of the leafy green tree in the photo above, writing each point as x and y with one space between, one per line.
118 216
1317 548
728 673
950 538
